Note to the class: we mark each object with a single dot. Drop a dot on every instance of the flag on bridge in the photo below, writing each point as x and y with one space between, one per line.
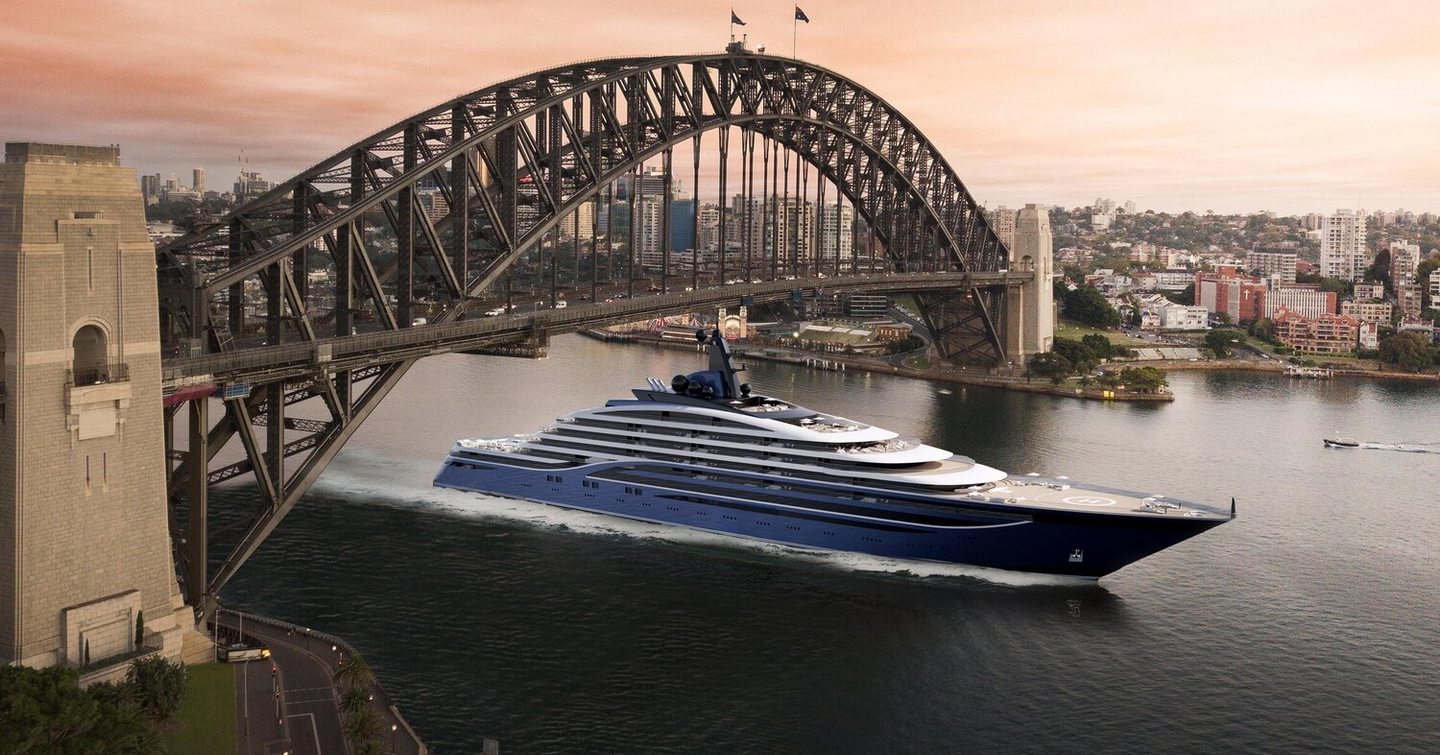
734 19
800 15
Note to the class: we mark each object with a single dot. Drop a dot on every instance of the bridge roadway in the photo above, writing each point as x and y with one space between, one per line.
267 364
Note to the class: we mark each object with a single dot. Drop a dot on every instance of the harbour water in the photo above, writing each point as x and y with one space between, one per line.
1311 623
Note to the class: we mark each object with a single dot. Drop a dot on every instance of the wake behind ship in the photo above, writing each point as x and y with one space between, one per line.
708 453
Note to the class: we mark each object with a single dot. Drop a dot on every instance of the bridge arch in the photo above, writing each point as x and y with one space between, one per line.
462 192
513 159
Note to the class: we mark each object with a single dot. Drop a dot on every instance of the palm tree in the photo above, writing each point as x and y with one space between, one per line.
361 726
354 672
354 700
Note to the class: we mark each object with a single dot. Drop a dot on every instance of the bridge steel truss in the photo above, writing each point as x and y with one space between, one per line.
511 162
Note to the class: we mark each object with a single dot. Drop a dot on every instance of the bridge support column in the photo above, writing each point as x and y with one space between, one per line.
1030 310
86 572
197 576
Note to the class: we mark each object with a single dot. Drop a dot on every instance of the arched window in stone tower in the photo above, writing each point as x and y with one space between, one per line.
89 362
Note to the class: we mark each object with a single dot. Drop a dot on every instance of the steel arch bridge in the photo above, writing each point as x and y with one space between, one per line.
456 208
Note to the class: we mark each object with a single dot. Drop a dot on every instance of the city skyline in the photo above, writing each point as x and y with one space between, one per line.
1185 107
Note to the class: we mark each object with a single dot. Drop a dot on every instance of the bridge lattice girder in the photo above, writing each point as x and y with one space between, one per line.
510 162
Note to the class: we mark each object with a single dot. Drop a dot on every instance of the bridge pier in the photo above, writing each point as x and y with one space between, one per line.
1029 310
86 569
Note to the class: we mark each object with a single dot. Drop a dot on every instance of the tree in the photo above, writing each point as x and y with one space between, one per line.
354 672
354 699
1186 297
1220 342
159 686
1087 305
1098 345
1050 364
44 710
1409 351
139 629
361 726
1081 358
1379 270
1422 276
1144 379
1264 329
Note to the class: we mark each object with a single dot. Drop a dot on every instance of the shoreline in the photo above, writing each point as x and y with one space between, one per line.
962 376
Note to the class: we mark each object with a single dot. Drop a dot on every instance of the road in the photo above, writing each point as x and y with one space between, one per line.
289 703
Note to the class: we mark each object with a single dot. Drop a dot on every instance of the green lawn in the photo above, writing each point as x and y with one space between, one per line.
1075 331
206 722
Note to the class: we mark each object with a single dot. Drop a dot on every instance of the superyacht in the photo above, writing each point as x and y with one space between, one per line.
707 452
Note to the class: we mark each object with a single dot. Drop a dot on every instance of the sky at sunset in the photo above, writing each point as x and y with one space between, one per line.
1216 105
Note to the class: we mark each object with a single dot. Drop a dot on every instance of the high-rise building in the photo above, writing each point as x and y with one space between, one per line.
1342 245
1404 261
1003 220
837 232
709 229
197 181
150 188
682 224
1271 264
433 202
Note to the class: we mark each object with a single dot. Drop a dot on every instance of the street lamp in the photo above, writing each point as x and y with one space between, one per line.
393 728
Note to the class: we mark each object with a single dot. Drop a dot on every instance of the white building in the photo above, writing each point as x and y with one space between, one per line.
1369 336
1182 317
1268 264
1369 291
1368 311
1342 245
1307 302
1435 289
837 232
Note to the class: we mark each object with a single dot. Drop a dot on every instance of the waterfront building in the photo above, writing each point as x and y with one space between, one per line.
1305 299
1326 334
1268 264
1368 311
1342 245
1411 324
1369 336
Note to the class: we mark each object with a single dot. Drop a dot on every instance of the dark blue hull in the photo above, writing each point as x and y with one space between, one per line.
824 515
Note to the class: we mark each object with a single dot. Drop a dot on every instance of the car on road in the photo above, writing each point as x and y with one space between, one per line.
561 304
496 312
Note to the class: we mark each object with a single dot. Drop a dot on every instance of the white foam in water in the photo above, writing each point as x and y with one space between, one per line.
358 472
